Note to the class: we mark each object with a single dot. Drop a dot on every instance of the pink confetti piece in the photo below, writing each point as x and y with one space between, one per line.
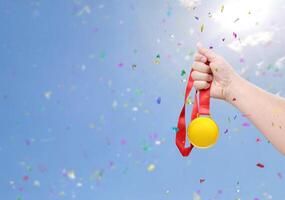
202 180
260 165
258 140
123 141
245 124
120 65
25 178
246 115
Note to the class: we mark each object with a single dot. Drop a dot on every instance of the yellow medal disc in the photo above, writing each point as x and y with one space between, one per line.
203 132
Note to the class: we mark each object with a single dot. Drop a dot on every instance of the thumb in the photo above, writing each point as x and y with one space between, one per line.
206 52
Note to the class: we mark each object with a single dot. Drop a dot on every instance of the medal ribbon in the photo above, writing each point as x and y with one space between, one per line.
202 109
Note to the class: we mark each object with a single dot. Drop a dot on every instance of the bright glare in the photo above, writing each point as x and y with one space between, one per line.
239 15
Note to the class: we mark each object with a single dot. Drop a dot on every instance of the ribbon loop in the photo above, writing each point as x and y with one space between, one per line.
203 108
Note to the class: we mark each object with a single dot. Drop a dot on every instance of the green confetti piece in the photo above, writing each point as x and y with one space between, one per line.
202 28
222 8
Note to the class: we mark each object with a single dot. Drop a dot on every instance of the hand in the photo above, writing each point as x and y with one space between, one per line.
208 67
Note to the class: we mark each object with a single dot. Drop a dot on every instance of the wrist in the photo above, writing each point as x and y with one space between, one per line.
231 90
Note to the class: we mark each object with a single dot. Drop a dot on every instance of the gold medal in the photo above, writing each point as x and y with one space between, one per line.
203 132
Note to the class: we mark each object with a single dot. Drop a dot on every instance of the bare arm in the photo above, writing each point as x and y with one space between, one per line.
266 111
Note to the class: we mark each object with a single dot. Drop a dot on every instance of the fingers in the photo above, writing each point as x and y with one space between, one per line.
206 52
201 85
200 58
201 67
199 76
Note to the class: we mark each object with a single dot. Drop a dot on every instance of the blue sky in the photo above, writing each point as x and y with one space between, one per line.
78 99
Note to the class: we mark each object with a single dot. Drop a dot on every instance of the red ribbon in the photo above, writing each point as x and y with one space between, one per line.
202 109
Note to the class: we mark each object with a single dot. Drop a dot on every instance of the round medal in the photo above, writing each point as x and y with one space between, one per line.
203 132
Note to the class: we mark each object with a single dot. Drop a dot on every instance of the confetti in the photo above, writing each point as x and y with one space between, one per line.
210 14
236 20
202 28
158 100
71 175
92 116
222 8
151 167
47 94
37 183
157 59
196 196
175 129
102 55
260 165
25 178
123 141
120 65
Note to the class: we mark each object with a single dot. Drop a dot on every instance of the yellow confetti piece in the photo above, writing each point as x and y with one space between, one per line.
156 61
196 196
71 175
202 28
151 167
222 8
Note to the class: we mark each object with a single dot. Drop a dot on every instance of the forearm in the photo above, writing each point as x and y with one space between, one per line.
266 111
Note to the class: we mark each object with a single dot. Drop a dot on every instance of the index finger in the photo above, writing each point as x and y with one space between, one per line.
201 67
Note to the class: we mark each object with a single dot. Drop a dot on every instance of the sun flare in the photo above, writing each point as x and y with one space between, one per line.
240 15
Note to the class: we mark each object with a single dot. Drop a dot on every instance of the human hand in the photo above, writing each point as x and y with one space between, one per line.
207 67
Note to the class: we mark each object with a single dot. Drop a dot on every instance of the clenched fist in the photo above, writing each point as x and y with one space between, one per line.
208 67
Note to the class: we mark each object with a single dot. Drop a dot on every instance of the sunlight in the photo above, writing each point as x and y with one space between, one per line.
241 15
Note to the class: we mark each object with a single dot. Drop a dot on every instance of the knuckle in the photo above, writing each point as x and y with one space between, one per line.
208 77
194 74
196 84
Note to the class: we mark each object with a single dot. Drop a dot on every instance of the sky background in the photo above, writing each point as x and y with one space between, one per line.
80 89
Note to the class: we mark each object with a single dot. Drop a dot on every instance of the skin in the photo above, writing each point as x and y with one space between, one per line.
266 111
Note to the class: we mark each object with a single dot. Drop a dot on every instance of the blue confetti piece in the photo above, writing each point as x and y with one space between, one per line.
175 129
158 100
